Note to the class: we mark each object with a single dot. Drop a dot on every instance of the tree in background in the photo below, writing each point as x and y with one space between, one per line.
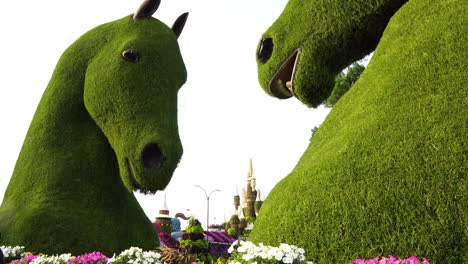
343 82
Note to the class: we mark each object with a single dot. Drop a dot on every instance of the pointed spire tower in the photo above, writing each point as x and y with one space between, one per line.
251 193
163 218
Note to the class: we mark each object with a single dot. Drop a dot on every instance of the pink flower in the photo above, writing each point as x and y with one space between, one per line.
359 261
373 261
391 260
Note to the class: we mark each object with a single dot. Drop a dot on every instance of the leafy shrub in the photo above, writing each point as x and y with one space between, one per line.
232 231
176 256
194 229
200 243
234 219
250 219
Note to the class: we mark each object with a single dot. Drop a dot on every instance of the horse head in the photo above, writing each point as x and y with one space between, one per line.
312 41
130 91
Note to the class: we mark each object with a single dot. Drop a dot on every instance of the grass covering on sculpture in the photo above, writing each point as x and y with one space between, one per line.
386 172
106 125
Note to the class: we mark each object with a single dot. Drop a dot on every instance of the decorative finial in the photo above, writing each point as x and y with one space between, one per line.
164 207
250 174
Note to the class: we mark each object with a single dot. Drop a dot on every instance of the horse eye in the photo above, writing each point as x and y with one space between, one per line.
130 55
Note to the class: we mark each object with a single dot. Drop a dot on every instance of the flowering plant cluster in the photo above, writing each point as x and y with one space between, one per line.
44 259
391 260
132 255
13 252
136 255
249 253
88 258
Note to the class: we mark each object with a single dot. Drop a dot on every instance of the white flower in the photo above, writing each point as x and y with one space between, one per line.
242 249
263 255
278 255
288 260
285 247
13 252
247 257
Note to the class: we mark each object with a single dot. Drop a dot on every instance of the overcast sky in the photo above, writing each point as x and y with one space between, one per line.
225 118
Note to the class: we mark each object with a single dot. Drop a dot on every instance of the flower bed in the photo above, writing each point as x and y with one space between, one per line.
391 260
132 255
241 253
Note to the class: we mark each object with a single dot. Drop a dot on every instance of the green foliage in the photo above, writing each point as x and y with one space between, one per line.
386 172
205 259
232 231
246 233
258 204
250 219
343 82
166 228
194 239
198 229
313 130
194 227
72 186
200 243
234 219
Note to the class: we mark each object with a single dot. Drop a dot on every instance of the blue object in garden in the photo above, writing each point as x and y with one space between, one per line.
176 232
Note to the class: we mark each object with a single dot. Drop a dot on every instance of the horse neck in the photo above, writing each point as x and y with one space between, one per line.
64 151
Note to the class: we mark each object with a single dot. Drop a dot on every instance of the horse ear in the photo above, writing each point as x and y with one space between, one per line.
179 24
146 9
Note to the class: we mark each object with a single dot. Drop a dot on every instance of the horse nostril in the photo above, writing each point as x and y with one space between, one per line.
152 156
265 51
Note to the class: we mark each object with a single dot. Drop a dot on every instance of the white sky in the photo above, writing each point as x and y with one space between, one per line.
225 118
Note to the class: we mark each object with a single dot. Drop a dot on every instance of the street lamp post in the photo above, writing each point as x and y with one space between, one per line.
207 203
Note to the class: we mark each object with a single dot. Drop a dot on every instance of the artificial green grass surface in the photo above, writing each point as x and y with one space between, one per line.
386 172
71 189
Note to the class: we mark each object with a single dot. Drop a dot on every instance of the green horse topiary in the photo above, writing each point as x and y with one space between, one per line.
105 126
386 172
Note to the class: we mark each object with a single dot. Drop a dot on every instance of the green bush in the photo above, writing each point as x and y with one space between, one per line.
250 219
194 229
232 231
235 219
200 243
